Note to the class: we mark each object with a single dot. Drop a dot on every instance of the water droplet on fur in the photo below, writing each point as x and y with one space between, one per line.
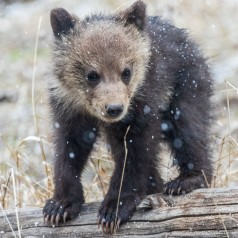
150 177
57 125
89 137
169 93
175 162
152 137
166 126
130 141
190 166
146 109
120 203
177 114
178 143
71 155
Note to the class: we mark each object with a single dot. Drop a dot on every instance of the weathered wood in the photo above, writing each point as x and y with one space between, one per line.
202 213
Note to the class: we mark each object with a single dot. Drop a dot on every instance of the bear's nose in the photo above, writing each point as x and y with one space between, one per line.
114 110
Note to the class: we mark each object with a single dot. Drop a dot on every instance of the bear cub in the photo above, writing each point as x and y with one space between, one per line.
144 82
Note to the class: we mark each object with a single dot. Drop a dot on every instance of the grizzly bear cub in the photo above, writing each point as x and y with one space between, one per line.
144 82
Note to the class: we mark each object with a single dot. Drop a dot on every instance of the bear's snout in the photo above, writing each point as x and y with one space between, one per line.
114 110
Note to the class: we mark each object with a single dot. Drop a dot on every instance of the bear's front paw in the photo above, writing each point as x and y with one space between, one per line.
184 184
110 218
55 212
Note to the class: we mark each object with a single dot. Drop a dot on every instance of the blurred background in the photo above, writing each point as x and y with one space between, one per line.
25 127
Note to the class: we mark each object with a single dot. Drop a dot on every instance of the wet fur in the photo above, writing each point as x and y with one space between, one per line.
167 100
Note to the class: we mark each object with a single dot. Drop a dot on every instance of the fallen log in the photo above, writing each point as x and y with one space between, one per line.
202 213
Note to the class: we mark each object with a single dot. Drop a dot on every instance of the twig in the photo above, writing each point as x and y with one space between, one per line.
121 6
235 142
5 189
232 86
229 121
34 109
15 201
123 171
33 78
5 215
219 159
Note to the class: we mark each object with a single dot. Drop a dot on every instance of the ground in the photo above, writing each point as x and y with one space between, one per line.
25 138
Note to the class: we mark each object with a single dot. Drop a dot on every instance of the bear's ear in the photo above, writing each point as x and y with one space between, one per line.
135 15
61 22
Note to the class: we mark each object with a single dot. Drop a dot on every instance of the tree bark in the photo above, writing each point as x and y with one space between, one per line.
202 213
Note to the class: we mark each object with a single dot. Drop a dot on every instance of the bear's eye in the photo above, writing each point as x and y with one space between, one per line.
126 74
93 77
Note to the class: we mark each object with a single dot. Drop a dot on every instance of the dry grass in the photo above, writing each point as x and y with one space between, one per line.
27 159
226 160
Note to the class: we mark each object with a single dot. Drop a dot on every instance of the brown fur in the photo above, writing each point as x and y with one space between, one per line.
95 49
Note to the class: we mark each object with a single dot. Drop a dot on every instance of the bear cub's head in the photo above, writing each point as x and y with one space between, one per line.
100 62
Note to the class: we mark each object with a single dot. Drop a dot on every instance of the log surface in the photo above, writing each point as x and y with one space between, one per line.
202 213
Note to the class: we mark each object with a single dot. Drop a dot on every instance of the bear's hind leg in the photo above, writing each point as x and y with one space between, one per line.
188 135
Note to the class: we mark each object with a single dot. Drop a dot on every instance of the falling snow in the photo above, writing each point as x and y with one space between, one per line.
190 166
165 126
71 155
177 114
146 109
177 143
